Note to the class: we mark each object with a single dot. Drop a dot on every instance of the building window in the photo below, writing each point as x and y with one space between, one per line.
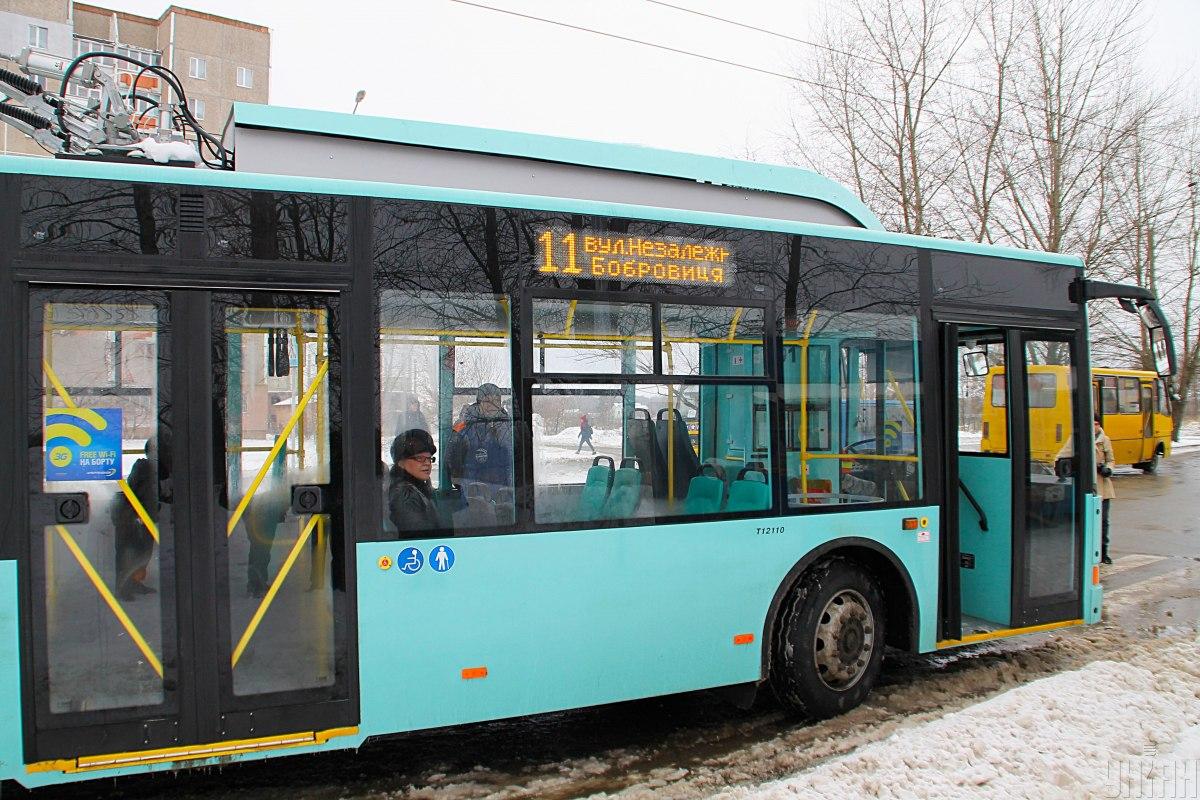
245 77
197 107
198 68
38 36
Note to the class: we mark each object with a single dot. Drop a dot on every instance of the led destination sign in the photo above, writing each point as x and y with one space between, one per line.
591 254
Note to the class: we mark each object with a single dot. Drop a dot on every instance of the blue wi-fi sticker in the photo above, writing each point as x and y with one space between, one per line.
83 444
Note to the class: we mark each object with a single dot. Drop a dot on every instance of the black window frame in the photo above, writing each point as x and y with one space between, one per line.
529 378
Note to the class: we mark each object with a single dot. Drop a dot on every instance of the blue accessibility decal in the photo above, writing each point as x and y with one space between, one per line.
441 558
83 444
410 561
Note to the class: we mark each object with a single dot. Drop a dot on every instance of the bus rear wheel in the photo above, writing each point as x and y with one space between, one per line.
829 644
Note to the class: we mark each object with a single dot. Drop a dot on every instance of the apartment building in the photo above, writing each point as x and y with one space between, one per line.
218 60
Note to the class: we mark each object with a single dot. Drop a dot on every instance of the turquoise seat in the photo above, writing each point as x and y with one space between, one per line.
749 492
704 495
749 496
626 494
595 490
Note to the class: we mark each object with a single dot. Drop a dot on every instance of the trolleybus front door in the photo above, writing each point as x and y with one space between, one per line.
180 594
1014 545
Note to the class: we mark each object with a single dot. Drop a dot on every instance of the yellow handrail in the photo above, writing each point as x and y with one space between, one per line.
269 597
111 601
279 442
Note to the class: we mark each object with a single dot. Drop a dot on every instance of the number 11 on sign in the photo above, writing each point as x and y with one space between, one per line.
548 265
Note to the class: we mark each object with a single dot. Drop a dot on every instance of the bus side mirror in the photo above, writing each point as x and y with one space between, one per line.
1158 346
975 363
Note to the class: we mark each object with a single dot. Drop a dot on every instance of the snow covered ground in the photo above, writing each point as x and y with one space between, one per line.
1107 730
1189 438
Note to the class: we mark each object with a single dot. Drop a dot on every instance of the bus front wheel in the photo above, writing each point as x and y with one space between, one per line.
829 644
1150 467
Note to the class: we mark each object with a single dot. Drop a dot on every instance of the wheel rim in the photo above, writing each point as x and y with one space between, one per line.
844 640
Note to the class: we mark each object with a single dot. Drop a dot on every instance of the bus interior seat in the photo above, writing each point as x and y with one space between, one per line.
678 448
750 491
705 492
643 442
505 506
626 492
596 488
480 510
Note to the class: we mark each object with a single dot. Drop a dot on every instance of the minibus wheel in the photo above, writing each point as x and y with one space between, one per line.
829 644
1150 467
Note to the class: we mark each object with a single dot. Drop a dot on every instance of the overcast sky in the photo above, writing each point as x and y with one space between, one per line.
442 61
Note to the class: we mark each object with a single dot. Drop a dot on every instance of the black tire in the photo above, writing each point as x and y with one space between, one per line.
1150 467
828 645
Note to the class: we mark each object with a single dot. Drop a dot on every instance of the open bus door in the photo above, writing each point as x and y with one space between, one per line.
1016 506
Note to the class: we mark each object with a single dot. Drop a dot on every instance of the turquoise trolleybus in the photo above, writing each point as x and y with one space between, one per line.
213 379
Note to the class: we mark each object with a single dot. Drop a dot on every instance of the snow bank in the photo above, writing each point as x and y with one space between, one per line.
1107 730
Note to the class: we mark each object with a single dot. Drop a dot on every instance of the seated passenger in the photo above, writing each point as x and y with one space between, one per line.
410 493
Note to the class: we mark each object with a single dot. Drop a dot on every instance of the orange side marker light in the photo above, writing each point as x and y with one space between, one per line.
1095 575
743 638
909 524
471 673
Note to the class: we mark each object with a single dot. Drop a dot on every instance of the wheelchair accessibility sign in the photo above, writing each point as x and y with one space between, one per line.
410 561
83 444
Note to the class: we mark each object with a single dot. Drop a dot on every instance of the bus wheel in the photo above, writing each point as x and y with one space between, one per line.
829 645
1150 467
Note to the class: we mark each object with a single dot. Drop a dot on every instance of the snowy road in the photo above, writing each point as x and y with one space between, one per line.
1112 710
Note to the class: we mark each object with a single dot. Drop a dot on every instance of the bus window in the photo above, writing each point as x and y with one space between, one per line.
1108 395
1128 396
658 447
578 444
278 226
1043 389
590 337
999 385
874 389
982 428
444 369
712 340
1161 404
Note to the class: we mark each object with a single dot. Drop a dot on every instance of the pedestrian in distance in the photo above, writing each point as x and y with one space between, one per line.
585 435
1105 461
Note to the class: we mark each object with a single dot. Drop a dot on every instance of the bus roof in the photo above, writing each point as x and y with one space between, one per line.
629 159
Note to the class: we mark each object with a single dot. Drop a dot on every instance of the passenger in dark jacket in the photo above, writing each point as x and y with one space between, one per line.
410 493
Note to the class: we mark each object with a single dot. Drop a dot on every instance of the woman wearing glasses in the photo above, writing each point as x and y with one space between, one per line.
410 494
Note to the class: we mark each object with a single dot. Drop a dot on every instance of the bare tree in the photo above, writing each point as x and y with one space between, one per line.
1187 323
876 86
1070 114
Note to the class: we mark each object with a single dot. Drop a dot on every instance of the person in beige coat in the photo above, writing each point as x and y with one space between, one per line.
1105 461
